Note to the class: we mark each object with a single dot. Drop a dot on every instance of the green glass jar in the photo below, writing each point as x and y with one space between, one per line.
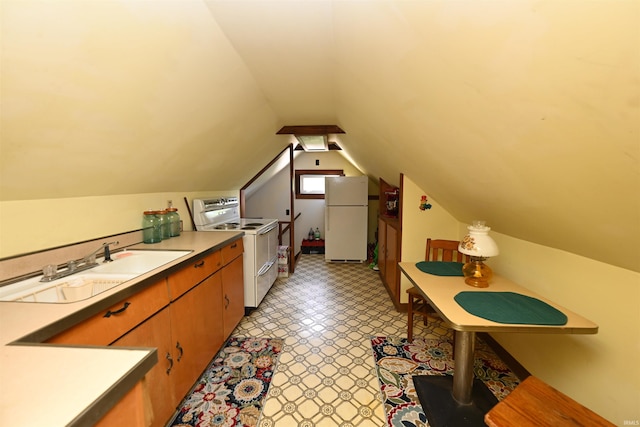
151 232
165 231
174 221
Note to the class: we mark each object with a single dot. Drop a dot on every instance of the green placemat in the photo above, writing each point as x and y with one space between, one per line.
440 268
509 307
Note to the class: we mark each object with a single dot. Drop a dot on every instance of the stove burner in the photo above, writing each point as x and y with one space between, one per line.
227 226
248 228
254 224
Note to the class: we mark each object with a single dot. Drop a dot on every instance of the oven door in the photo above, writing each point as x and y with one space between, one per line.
266 246
266 277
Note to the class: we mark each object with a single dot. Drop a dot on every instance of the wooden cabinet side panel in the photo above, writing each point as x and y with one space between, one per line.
233 295
155 332
196 330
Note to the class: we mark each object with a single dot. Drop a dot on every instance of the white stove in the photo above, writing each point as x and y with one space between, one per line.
260 242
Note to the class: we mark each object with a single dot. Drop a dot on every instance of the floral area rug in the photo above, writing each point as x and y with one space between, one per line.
232 389
398 360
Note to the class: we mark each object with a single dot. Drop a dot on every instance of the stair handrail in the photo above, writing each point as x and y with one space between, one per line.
291 195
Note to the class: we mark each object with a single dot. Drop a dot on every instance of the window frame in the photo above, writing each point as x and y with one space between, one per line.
299 173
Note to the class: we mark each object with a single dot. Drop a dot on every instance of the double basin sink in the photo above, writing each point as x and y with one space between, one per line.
125 266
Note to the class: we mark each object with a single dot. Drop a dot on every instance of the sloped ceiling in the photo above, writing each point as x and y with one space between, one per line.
522 113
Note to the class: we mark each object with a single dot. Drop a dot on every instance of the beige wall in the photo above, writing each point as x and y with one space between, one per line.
31 225
417 225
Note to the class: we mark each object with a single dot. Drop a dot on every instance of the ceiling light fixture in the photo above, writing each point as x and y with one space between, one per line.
313 142
313 137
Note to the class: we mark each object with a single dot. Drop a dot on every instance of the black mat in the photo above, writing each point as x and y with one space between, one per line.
436 399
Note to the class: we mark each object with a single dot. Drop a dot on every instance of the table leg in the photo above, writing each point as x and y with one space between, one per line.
460 401
463 373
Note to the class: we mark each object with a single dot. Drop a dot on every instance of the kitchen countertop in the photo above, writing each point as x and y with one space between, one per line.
45 384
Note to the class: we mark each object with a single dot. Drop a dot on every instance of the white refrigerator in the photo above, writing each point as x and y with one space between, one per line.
345 218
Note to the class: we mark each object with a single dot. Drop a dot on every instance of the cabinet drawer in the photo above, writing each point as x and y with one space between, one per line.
232 251
109 325
185 279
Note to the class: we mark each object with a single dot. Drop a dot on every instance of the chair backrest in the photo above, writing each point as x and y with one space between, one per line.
444 250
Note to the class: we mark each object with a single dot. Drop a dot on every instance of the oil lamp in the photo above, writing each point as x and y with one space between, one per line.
479 246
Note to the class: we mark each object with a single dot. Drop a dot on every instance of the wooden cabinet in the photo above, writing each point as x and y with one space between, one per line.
390 240
187 335
232 286
233 295
155 333
197 332
388 257
187 316
382 250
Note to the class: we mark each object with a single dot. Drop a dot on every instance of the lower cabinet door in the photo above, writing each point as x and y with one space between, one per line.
154 332
391 267
196 331
233 294
382 247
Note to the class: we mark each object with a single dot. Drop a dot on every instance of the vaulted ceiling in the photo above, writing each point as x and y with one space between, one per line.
522 113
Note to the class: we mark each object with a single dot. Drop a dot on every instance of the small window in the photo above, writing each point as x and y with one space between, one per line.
310 183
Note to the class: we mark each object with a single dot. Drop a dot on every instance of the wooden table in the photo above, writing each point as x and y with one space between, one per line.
440 292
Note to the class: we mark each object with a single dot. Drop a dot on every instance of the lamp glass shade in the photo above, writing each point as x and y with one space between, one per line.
477 242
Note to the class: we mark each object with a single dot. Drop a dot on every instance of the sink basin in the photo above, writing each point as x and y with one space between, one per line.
126 265
68 289
138 261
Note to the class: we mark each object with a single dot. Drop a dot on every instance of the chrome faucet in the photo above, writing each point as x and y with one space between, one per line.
91 258
50 272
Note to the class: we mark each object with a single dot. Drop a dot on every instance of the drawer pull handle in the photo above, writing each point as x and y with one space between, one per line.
235 245
226 302
170 359
198 264
179 347
113 313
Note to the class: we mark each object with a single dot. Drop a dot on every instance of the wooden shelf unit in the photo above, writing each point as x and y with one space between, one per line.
390 240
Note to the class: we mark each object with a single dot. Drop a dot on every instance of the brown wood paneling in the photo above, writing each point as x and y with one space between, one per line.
309 130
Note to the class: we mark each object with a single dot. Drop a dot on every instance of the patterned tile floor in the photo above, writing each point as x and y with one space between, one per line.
326 314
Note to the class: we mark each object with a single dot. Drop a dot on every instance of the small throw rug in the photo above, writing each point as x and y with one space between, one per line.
232 389
398 360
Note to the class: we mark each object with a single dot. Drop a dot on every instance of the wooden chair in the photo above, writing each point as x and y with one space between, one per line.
436 250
